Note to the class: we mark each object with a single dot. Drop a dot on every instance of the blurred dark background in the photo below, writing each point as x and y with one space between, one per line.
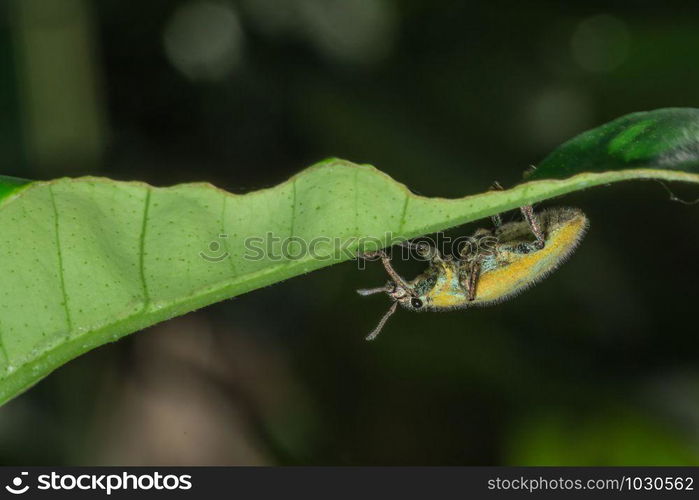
598 364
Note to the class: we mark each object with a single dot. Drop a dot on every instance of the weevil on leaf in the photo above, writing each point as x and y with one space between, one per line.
494 266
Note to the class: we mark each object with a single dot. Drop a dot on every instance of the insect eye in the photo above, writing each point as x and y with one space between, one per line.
416 303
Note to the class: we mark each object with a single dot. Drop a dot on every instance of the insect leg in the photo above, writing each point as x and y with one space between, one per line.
474 271
497 218
469 248
533 221
482 243
386 261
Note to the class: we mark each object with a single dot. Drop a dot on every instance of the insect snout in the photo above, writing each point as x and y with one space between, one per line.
396 292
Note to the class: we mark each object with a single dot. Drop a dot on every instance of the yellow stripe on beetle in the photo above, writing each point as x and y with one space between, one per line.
531 268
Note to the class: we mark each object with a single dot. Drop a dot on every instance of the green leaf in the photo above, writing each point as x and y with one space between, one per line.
86 261
664 139
11 185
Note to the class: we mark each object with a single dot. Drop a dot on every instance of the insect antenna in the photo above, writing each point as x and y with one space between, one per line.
378 328
372 291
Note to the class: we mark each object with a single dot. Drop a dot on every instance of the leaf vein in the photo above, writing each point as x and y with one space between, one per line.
293 209
141 251
61 271
403 214
225 236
